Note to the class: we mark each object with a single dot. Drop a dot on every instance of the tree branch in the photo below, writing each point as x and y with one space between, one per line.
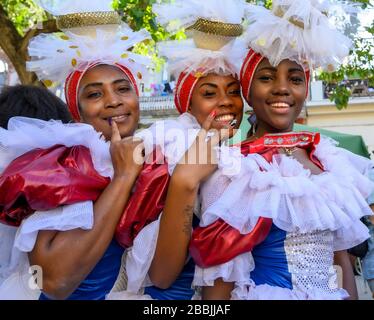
49 26
15 46
10 38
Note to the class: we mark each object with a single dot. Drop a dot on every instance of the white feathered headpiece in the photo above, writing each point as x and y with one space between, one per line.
299 31
213 27
87 37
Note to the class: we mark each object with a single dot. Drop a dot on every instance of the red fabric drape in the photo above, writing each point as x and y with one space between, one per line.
219 242
44 179
147 200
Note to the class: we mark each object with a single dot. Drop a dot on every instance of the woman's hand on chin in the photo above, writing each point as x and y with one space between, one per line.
200 160
127 154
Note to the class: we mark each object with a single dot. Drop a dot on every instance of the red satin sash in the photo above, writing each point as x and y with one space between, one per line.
219 242
44 179
147 200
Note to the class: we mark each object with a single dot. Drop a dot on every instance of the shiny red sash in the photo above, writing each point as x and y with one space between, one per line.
147 200
44 179
219 242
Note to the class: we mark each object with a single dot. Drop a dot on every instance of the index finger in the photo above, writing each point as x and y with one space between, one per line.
115 133
207 124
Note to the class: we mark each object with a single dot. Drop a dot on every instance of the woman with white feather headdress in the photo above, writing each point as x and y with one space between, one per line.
64 187
274 228
207 95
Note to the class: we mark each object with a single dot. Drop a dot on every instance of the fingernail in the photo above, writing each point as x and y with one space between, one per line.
110 121
213 114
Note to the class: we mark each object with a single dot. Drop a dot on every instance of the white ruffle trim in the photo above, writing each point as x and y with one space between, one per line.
267 292
234 270
318 43
16 282
186 57
54 57
15 277
63 218
25 134
348 237
126 295
18 287
140 256
9 258
295 199
173 137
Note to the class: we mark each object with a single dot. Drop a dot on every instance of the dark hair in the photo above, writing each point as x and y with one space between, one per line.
31 102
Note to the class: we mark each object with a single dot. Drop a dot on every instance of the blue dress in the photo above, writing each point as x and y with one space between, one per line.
101 279
271 265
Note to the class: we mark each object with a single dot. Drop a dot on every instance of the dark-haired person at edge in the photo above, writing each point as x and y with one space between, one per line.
31 102
81 177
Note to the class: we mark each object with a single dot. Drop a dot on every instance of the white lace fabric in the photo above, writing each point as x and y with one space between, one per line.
17 242
25 134
173 137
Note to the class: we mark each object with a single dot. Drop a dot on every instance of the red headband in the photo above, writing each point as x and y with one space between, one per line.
183 92
249 66
72 85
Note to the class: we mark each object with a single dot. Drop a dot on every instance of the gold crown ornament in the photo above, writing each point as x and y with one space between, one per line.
213 35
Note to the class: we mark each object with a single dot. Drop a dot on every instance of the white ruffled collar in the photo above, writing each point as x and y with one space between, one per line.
286 192
25 134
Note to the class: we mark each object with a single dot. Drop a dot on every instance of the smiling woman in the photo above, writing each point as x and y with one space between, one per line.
277 226
207 95
79 178
277 95
220 94
106 94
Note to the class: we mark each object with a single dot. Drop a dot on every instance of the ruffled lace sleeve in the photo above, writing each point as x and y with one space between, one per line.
16 242
358 173
25 134
237 269
290 195
140 256
173 137
353 235
63 218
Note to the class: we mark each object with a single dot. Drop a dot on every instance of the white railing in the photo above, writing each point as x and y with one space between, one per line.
157 103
